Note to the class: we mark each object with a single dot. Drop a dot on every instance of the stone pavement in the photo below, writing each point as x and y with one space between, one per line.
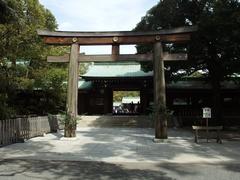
120 153
84 170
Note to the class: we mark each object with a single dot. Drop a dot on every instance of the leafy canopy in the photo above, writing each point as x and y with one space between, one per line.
215 48
23 66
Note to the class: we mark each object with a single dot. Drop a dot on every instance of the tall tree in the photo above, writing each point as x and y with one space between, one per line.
19 42
215 48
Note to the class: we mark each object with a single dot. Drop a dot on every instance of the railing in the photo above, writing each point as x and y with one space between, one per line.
189 117
19 129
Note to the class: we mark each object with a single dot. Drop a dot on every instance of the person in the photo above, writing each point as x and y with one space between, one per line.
131 107
137 107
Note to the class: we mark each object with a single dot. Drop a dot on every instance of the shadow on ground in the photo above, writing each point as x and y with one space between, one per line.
49 157
37 169
132 144
134 121
74 170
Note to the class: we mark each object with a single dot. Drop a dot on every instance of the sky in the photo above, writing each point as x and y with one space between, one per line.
99 15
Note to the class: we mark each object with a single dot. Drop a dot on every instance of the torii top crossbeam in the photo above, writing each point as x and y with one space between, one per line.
181 34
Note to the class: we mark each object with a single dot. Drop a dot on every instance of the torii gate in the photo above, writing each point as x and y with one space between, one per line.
76 39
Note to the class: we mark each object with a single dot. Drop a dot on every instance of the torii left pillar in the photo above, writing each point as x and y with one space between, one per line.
72 92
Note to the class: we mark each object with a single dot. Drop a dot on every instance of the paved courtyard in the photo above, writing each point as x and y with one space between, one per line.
120 153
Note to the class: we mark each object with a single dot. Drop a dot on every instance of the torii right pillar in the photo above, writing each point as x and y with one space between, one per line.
159 93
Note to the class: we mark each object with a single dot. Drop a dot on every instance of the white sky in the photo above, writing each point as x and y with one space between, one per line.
99 15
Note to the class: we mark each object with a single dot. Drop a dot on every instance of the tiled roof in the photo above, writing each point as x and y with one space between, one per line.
116 70
84 84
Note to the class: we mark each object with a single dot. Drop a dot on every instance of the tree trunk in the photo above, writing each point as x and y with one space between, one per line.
216 77
217 104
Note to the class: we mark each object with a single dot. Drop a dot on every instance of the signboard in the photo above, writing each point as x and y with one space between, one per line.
206 112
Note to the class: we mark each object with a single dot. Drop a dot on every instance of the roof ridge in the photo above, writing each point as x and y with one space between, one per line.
116 63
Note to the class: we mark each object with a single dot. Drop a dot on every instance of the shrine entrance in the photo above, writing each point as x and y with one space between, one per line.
126 102
115 39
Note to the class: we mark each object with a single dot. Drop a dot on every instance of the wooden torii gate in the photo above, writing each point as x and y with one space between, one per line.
76 39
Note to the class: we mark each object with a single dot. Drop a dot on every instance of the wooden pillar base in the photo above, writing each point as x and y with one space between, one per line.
161 127
156 140
69 132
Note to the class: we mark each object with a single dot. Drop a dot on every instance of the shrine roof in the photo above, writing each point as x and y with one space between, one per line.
111 70
82 84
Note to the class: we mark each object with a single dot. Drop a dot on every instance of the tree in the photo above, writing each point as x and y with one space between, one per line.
22 52
219 46
7 13
118 95
50 81
214 48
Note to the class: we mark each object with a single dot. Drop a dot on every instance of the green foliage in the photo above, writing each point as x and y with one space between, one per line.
163 111
68 120
50 79
83 67
7 13
118 95
5 111
51 82
23 66
214 47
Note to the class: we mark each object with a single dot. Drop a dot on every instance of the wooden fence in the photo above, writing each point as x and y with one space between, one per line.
19 129
189 117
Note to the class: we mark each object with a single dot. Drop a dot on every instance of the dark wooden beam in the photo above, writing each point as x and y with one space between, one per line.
123 37
180 30
111 58
121 57
115 51
121 40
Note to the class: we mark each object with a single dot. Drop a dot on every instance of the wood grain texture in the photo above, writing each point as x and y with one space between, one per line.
171 38
121 57
159 92
19 129
115 52
72 93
